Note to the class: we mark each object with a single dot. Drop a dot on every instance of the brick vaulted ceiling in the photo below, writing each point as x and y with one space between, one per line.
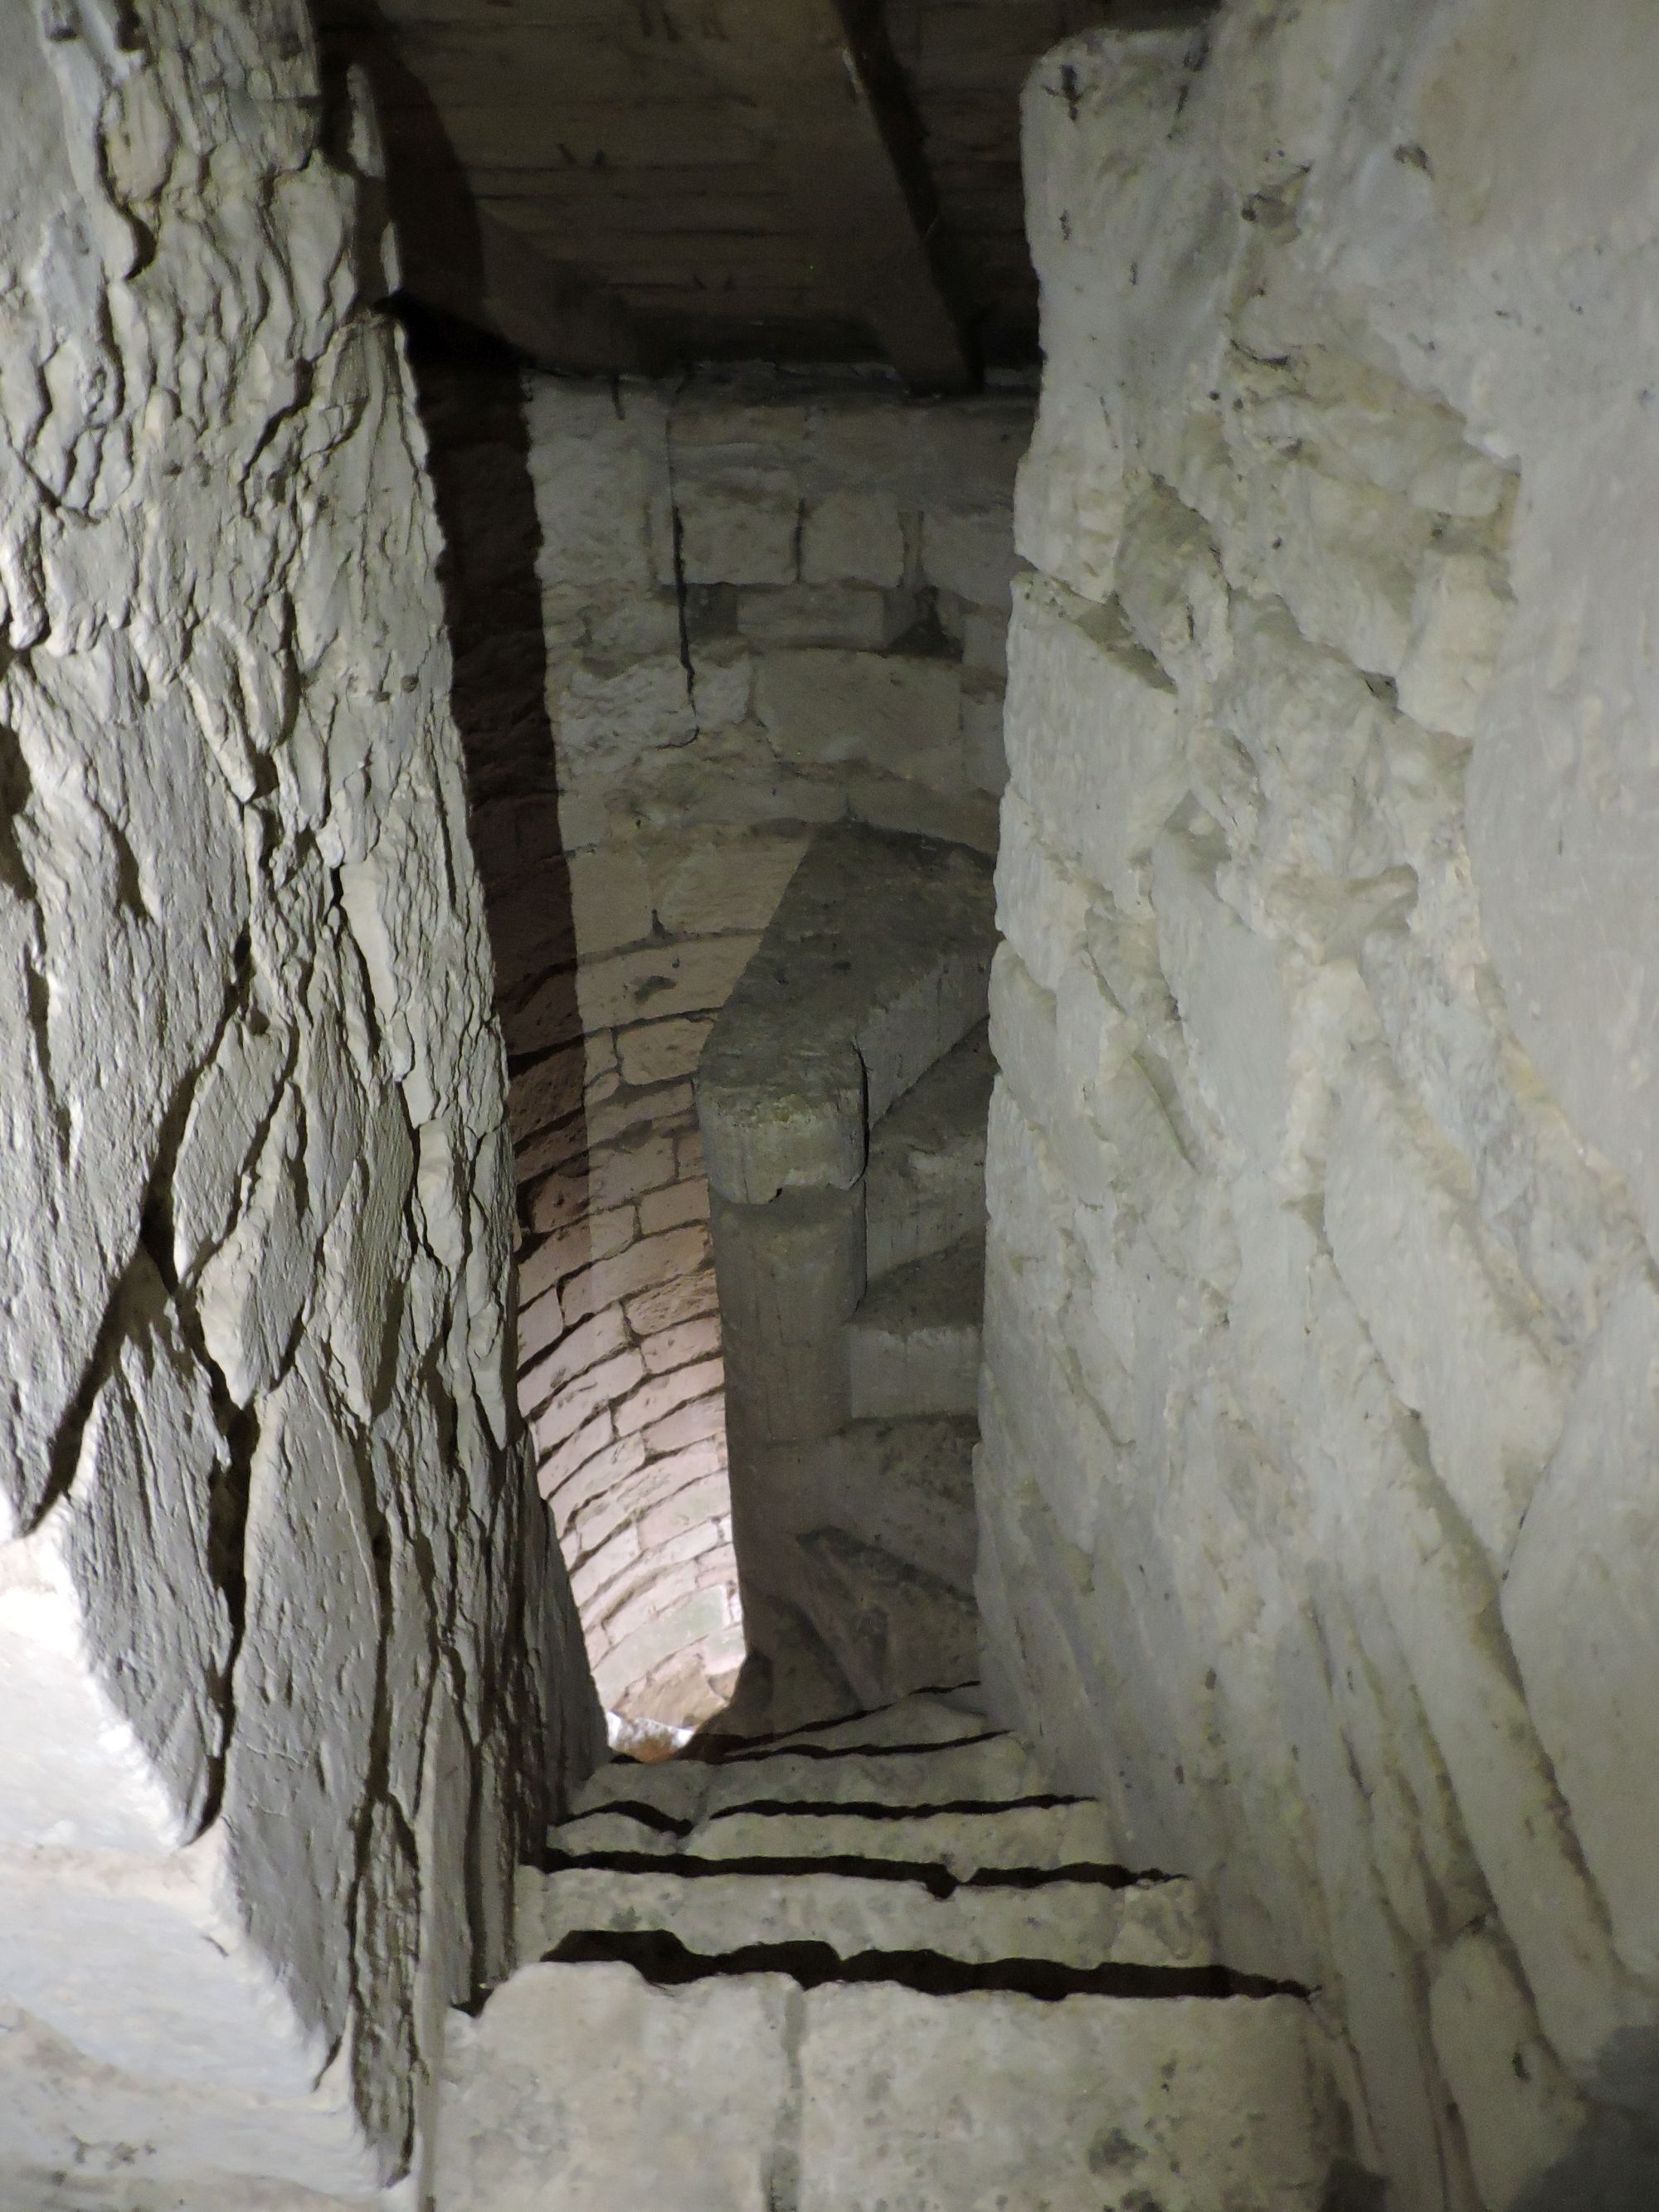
627 185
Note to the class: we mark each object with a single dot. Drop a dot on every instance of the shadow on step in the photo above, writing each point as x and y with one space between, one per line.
663 1960
938 1881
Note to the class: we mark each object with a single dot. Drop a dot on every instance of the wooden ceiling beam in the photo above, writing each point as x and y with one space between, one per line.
818 82
499 279
453 255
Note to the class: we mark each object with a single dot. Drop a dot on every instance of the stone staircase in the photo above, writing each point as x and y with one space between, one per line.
842 1096
877 1966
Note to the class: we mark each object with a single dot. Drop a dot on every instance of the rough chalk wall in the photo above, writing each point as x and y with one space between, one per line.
265 1709
768 605
1319 1523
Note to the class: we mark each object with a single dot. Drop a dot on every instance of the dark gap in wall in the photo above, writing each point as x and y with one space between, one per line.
786 1749
469 395
665 1961
937 1879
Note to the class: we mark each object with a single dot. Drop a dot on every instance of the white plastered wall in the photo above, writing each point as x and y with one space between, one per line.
1319 1521
264 1606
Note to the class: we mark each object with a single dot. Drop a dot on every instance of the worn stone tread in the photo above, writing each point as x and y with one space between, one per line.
714 1907
927 1717
993 1768
924 1182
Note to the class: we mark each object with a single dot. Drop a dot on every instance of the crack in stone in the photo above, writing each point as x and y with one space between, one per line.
665 1961
934 1877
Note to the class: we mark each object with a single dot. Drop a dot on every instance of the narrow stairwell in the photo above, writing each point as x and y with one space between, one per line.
842 1096
875 1966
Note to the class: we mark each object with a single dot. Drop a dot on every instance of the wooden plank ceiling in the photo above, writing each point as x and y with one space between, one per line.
632 183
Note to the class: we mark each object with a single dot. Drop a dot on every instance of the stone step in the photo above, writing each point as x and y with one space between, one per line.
775 2077
856 1906
1051 1835
983 1769
924 1183
1044 1832
913 1345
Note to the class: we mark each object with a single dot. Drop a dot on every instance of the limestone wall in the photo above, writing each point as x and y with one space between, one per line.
768 605
264 1710
1318 1503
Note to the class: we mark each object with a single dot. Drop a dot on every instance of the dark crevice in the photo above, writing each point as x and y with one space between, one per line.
238 1425
665 1961
134 1293
858 1750
938 1881
681 598
651 1816
16 790
647 1816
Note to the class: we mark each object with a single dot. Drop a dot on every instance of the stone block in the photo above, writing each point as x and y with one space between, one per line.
671 1304
595 1464
598 470
970 550
854 616
913 1345
661 980
1462 609
1343 555
551 1088
791 1275
905 1486
1022 1040
924 1183
898 712
656 1052
1042 903
576 1403
672 1208
677 1347
702 1612
1267 1031
608 718
985 759
650 1265
701 1422
1094 734
696 1504
1457 1337
602 1337
1049 1424
660 1394
541 1324
110 1721
852 536
724 884
1170 585
874 968
569 2062
1173 2093
571 1250
1441 1597
610 900
1094 1038
889 1627
742 532
985 645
